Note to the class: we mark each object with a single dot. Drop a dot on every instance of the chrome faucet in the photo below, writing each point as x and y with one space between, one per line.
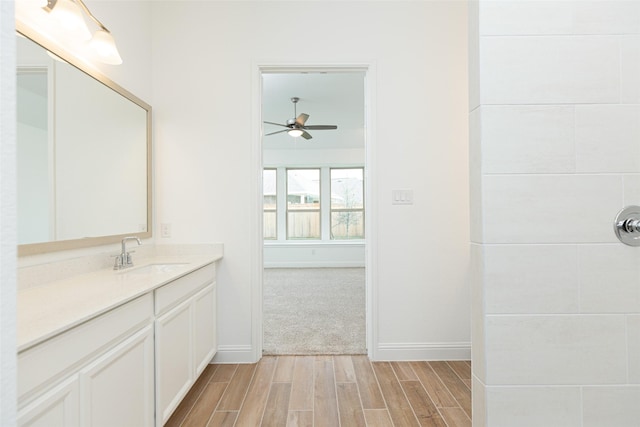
123 260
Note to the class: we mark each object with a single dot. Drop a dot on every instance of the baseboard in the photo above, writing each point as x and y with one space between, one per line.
234 354
423 351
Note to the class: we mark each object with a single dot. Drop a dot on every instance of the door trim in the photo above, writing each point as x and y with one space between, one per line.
371 258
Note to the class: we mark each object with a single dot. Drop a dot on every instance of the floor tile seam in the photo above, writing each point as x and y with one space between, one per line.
457 374
426 388
219 400
413 411
293 381
217 367
429 396
448 389
384 399
270 382
246 392
386 407
196 400
335 389
359 393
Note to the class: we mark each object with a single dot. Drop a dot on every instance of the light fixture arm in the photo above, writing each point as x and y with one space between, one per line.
90 15
52 3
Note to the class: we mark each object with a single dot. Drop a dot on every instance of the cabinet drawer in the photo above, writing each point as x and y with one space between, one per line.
45 363
177 291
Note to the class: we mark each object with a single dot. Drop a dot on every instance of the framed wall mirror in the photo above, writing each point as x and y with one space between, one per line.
83 155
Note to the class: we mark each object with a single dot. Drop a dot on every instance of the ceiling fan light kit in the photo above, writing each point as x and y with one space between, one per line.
296 127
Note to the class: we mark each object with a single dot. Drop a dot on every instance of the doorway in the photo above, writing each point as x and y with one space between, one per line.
314 297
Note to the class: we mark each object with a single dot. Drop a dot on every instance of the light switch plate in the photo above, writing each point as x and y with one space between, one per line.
402 197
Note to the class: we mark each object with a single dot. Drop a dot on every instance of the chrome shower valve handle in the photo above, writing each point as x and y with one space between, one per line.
627 225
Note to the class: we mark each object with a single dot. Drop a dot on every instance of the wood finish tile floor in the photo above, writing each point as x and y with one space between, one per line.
331 391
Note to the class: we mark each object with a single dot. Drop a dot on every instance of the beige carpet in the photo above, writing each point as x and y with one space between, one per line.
314 311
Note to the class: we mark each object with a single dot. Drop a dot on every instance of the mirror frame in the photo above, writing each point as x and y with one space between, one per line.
61 245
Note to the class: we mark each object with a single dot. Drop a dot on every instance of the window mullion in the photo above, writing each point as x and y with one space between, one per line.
281 203
325 204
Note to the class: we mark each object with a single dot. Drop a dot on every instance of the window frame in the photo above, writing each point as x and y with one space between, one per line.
332 210
289 210
275 209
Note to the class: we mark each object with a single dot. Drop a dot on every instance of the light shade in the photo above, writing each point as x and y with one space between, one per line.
105 47
70 17
295 132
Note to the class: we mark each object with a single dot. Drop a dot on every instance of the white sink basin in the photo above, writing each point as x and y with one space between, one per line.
156 268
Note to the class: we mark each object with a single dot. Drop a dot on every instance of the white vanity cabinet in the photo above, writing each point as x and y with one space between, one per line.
185 336
99 373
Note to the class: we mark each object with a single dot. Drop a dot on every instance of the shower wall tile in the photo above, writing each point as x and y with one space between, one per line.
633 337
550 208
559 17
528 139
609 278
631 189
534 406
611 406
500 18
477 312
550 70
556 349
630 69
607 138
530 279
478 402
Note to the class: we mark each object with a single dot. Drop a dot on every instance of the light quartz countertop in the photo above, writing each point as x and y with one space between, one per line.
49 309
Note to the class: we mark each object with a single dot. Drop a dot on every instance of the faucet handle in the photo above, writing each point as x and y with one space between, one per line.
118 262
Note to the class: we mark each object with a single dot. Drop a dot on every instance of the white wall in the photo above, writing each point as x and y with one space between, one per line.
205 58
555 144
7 215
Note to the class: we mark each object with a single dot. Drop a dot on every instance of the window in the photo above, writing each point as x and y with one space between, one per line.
313 203
303 203
347 203
270 197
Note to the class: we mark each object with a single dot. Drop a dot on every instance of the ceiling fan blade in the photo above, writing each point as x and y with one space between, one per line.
277 124
321 127
302 118
306 135
273 133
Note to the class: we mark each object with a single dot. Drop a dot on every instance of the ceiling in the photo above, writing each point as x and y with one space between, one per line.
329 98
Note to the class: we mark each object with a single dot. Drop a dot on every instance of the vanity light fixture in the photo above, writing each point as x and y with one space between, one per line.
295 132
69 14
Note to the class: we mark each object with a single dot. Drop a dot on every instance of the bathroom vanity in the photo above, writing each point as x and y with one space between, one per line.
116 348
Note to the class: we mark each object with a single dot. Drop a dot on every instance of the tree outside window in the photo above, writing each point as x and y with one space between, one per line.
347 203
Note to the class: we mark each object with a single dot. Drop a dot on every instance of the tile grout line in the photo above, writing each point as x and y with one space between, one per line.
245 393
335 389
222 395
449 390
413 411
196 400
424 387
273 374
457 375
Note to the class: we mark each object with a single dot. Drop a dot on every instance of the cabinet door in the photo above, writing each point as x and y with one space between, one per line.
59 407
117 388
204 327
174 359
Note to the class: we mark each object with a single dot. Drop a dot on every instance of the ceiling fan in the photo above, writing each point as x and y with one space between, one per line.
296 127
